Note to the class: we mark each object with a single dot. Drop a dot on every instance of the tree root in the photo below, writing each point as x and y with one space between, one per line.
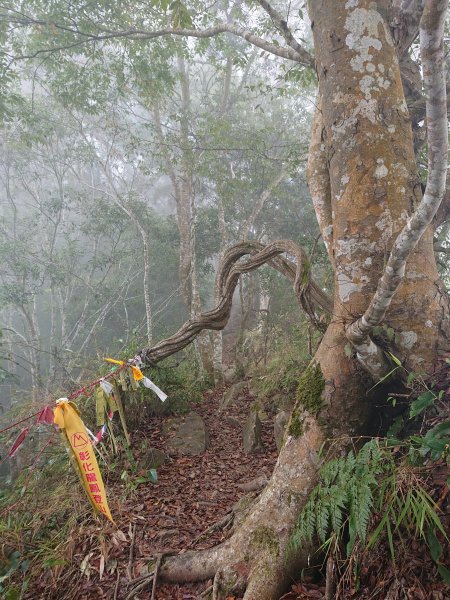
256 557
216 585
141 584
155 576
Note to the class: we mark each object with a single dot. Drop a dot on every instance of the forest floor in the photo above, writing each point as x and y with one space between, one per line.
193 493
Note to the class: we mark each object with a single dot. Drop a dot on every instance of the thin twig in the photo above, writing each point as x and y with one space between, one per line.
221 524
206 592
130 560
216 585
137 588
116 590
155 578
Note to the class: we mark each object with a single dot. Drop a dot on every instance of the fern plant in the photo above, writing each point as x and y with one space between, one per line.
344 496
354 487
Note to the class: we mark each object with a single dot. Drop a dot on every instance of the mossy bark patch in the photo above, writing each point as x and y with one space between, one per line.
296 428
265 538
309 390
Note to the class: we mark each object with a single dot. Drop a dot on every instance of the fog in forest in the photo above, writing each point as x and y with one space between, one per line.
247 204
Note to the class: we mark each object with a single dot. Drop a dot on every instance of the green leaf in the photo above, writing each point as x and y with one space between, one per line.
152 476
391 543
438 430
421 403
141 479
396 360
385 377
395 427
347 350
444 573
411 377
434 545
390 333
351 534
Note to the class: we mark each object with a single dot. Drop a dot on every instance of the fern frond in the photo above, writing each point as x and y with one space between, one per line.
337 508
322 520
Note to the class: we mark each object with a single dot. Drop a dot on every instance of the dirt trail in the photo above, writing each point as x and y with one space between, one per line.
192 493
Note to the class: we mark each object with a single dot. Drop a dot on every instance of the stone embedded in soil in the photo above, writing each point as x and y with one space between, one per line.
191 436
153 458
254 485
252 434
232 394
279 427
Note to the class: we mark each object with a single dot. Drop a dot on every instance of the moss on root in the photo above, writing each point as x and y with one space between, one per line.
296 428
309 390
264 538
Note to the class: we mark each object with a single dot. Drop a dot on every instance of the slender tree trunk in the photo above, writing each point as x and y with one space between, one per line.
217 336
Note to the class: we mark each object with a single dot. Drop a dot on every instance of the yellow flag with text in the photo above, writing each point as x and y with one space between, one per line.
67 417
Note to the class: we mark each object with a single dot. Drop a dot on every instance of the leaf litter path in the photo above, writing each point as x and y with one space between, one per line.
192 493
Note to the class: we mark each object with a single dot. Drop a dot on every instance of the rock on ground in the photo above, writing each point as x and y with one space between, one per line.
153 458
232 394
190 437
279 427
252 434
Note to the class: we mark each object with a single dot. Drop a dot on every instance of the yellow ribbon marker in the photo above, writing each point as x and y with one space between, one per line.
114 361
67 417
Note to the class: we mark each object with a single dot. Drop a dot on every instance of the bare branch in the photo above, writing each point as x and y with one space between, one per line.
309 294
319 180
405 22
282 26
443 213
134 33
259 204
441 249
433 61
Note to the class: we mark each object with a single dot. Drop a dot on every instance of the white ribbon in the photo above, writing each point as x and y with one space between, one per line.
149 384
106 387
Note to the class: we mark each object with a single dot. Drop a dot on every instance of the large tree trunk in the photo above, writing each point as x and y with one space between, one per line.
362 151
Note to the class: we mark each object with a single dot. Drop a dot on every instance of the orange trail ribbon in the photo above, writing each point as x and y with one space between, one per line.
137 373
67 417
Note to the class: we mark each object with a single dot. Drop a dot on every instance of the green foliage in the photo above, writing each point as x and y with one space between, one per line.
289 357
344 495
36 535
369 482
435 443
421 403
296 426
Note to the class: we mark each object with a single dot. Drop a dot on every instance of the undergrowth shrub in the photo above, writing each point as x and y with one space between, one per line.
278 377
382 491
353 487
44 510
47 502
